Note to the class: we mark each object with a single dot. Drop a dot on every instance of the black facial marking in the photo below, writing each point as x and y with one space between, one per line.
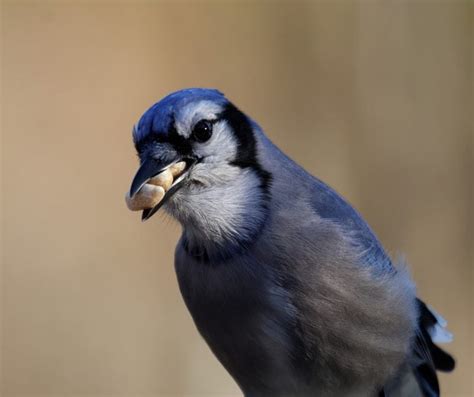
146 141
179 143
247 144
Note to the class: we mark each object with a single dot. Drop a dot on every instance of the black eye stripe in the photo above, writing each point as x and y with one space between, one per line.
179 142
247 144
201 132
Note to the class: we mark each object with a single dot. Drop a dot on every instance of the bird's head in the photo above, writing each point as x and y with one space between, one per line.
223 176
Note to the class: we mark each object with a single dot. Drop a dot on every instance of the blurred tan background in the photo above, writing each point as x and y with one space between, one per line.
373 97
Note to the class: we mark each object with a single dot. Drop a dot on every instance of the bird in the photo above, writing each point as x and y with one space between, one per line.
284 280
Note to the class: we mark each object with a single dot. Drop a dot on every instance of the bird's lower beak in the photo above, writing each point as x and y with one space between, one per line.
151 168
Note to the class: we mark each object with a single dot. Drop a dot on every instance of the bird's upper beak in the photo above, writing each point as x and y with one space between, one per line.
152 167
149 168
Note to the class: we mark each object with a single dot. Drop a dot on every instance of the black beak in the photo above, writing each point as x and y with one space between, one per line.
148 170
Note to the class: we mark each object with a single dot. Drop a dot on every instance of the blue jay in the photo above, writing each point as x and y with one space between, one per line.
285 281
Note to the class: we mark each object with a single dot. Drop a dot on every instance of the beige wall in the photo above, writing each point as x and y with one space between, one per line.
375 98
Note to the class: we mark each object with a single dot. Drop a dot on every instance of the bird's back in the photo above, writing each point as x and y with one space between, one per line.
414 321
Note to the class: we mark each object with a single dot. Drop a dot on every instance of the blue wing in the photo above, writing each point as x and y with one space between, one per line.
328 204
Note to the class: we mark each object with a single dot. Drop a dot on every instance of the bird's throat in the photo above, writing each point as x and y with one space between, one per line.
222 221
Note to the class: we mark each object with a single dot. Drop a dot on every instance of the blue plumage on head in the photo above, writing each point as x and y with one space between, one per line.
159 117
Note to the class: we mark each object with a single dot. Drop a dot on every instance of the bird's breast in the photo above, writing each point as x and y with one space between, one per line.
246 319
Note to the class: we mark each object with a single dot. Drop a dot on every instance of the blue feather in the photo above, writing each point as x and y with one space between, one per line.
159 117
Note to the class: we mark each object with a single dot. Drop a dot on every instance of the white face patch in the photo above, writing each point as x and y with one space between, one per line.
222 146
214 170
187 117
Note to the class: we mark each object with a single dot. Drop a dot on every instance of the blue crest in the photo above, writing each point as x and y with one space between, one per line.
159 117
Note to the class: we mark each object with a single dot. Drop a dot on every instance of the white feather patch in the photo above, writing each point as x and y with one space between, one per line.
192 113
439 333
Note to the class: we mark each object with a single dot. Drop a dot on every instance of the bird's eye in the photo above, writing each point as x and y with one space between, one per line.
202 131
